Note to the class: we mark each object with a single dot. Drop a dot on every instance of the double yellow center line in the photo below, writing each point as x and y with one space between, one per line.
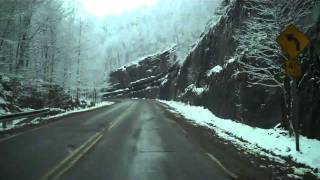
69 161
58 170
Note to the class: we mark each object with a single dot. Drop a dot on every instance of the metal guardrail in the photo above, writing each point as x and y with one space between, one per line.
11 117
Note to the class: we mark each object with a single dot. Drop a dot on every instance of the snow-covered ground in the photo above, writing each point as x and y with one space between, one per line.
273 143
98 105
15 123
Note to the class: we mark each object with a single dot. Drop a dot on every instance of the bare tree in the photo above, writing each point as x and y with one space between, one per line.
259 56
79 59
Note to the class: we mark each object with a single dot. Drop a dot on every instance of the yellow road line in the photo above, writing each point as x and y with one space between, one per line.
114 124
58 170
231 174
70 160
121 117
77 158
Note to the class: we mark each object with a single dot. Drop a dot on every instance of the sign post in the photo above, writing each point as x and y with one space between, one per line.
293 42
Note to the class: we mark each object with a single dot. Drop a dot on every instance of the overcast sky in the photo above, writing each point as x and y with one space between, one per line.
119 32
102 8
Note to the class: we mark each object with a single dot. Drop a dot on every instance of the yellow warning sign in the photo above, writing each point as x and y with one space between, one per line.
293 68
293 41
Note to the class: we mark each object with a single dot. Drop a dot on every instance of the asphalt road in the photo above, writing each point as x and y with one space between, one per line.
131 140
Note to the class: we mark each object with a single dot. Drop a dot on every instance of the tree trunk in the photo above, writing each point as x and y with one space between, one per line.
24 41
78 62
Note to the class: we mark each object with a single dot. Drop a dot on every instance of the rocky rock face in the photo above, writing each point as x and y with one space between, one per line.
147 67
209 76
227 95
142 79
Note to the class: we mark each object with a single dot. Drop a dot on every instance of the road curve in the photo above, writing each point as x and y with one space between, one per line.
131 140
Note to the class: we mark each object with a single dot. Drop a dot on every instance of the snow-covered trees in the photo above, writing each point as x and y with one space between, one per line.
258 53
39 40
261 58
142 32
28 31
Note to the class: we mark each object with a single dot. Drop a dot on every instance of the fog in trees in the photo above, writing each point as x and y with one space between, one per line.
61 42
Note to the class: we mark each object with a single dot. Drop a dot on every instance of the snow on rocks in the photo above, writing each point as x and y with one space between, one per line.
164 81
230 61
255 140
214 70
196 90
133 63
148 57
199 90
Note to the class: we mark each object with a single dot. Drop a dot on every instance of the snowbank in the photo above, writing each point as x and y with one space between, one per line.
258 140
17 123
98 105
14 124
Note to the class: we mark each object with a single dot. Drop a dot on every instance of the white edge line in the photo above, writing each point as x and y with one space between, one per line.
220 164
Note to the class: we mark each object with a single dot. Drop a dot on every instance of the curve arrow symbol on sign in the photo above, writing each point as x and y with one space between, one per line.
291 37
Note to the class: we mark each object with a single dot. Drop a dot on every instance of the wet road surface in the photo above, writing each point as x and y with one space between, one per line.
131 140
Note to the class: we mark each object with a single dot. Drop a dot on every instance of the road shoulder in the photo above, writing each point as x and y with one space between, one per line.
242 163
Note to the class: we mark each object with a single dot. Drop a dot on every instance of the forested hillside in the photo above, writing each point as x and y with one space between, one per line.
58 42
159 89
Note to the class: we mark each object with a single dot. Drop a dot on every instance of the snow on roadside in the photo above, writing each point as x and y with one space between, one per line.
15 123
258 140
98 105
